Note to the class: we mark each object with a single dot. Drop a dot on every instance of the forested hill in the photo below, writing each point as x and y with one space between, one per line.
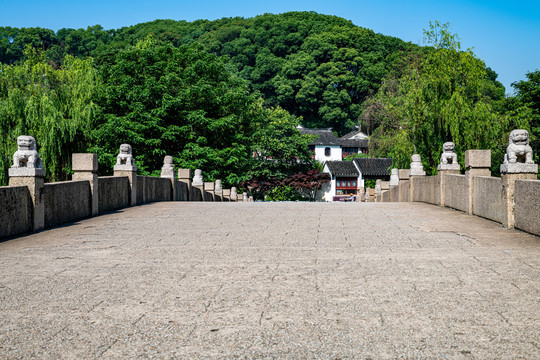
316 66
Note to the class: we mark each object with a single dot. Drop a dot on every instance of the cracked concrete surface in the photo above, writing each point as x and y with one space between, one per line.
272 280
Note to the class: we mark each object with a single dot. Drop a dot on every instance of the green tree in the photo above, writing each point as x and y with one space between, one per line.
53 105
443 95
176 101
526 103
279 147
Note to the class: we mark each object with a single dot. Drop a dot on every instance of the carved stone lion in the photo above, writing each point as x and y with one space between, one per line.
125 157
449 156
518 150
26 155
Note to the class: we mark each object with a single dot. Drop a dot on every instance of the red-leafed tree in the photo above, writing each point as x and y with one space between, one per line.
308 183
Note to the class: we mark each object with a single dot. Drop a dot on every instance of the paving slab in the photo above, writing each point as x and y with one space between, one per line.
177 280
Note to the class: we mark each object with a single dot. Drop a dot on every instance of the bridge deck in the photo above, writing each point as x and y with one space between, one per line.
273 280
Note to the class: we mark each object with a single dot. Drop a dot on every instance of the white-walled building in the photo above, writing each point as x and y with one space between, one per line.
328 147
346 177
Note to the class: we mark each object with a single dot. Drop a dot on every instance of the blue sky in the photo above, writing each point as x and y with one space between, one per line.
505 34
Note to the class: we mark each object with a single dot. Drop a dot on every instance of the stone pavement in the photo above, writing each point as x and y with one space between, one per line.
272 280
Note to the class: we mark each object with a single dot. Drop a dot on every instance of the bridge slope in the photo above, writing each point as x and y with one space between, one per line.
283 280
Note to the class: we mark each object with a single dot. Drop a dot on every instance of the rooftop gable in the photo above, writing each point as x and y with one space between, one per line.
374 166
342 168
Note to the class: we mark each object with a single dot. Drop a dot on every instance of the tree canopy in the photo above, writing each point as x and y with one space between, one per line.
443 94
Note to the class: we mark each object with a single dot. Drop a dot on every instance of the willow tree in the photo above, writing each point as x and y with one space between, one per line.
443 95
52 105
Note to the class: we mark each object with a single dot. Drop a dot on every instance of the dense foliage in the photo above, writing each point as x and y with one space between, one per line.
443 95
54 106
226 95
315 66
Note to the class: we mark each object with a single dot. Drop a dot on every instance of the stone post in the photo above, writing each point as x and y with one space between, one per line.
394 178
218 191
27 170
209 188
85 168
417 170
226 194
394 181
403 175
184 176
245 197
125 166
448 165
167 171
517 165
198 183
477 163
234 194
378 190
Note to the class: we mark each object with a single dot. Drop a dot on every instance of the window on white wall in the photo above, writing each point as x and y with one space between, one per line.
326 151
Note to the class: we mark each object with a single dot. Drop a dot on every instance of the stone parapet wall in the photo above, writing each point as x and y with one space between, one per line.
66 201
404 191
15 211
456 193
485 195
181 191
487 198
394 194
426 189
527 212
152 189
113 193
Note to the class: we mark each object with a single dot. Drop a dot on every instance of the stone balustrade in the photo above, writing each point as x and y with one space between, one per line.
30 204
511 200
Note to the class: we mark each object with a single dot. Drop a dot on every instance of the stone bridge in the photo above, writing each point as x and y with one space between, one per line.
231 280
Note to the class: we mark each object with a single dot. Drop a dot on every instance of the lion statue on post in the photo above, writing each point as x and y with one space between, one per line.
125 157
26 155
518 150
449 156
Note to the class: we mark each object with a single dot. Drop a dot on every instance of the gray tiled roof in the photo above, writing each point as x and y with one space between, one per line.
354 143
374 167
325 136
342 168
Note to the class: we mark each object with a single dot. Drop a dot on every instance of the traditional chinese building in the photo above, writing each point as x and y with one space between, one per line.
349 176
328 147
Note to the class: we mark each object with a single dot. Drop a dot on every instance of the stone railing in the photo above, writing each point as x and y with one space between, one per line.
29 204
512 200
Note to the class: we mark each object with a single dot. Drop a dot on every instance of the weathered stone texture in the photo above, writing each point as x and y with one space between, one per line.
456 193
385 196
394 194
196 193
151 189
181 191
404 174
527 205
84 162
477 159
114 193
404 190
15 211
426 189
66 201
487 198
